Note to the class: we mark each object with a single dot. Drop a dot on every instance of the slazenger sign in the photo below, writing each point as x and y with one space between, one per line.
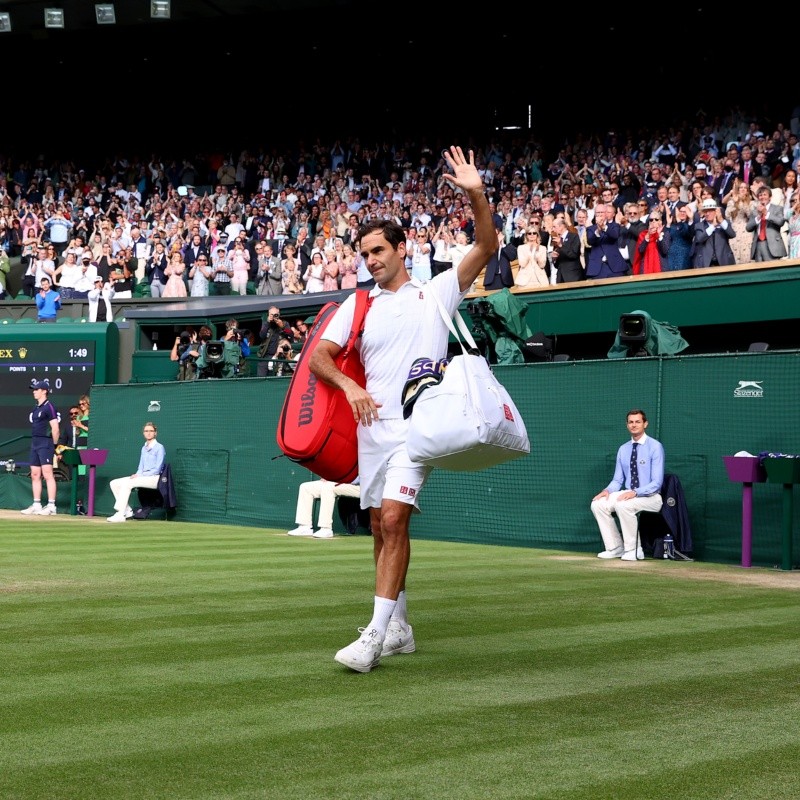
749 389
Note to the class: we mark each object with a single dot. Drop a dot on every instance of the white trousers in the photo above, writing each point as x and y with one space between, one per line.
327 492
626 511
239 282
122 488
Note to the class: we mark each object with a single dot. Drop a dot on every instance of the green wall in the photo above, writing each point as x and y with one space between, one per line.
220 440
744 294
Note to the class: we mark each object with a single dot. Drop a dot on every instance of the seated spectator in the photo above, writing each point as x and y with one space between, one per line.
635 487
70 433
68 439
85 407
147 474
326 492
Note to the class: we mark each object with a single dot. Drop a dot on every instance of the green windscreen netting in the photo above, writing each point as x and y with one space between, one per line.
220 440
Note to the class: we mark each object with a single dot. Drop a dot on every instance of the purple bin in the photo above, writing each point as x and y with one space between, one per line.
746 470
92 458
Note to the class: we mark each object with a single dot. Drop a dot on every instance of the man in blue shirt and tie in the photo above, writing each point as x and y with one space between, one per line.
635 487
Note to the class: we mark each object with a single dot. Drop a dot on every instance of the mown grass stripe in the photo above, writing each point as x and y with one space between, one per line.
180 661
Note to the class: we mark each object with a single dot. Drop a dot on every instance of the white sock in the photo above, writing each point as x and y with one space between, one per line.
37 502
381 615
400 613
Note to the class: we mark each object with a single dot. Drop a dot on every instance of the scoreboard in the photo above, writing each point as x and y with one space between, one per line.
70 366
73 356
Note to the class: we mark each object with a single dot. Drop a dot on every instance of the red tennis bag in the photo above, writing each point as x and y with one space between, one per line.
316 426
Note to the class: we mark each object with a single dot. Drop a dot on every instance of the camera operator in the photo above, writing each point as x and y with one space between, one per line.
235 334
185 351
204 367
237 348
270 335
284 359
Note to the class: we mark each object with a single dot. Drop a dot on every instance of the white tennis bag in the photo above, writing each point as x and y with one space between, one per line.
468 421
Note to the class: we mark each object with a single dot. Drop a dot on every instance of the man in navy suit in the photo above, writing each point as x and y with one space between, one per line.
499 274
605 260
566 253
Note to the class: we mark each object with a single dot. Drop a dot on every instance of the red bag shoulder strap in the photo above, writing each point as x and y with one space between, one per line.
363 303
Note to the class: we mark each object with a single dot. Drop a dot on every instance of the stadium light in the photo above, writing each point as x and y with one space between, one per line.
160 9
105 13
54 18
5 22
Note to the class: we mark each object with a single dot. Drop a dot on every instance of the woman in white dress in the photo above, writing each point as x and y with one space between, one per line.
315 274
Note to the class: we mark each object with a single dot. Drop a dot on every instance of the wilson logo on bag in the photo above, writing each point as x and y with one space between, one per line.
316 427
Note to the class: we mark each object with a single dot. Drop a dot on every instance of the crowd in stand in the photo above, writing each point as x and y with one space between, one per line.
268 223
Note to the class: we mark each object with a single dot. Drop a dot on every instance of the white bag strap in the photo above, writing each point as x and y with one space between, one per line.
466 336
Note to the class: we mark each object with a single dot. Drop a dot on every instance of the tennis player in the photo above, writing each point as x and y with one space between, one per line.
403 325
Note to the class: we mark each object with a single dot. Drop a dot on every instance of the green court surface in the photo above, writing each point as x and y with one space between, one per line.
176 660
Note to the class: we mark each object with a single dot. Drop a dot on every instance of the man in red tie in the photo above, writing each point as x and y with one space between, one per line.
765 223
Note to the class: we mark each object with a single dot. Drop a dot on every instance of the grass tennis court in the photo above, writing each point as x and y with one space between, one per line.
171 660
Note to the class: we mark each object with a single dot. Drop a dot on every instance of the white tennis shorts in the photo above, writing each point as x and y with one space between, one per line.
386 471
